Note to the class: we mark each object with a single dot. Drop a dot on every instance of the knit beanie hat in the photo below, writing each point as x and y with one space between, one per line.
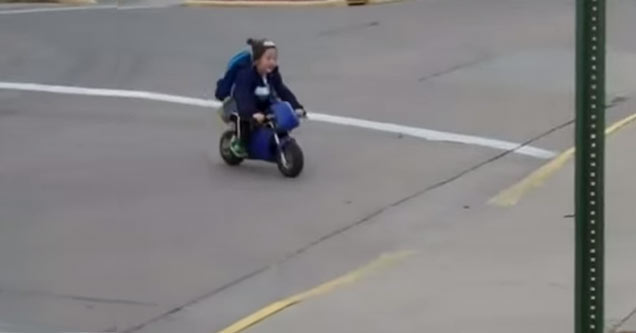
259 46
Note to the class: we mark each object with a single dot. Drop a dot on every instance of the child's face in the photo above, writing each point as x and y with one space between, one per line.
268 62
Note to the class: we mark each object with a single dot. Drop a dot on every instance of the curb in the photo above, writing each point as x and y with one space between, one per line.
260 3
283 3
384 2
59 2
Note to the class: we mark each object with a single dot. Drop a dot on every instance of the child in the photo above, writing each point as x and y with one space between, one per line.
256 88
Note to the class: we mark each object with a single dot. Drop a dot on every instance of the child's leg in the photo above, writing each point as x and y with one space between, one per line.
244 128
239 144
228 110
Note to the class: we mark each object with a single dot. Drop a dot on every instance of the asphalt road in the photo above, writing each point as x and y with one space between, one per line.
116 212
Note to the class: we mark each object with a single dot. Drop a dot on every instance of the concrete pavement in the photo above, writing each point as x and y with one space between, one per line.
511 273
118 214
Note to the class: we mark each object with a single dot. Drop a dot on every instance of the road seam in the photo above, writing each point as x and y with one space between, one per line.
513 194
349 278
328 236
617 327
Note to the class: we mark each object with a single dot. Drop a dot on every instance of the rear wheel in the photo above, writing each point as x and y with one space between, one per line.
290 160
225 151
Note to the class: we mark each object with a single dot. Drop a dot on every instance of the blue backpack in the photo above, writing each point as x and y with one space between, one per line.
226 83
239 58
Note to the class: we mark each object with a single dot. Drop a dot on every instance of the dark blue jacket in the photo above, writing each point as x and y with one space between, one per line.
248 103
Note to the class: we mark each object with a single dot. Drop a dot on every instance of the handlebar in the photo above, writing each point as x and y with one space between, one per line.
269 117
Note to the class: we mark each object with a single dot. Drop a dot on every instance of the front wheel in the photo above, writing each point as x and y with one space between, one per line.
225 151
290 160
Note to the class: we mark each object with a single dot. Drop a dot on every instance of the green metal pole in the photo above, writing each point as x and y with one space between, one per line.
589 174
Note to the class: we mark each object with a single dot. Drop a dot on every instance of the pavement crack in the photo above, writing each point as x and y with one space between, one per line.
350 28
617 101
106 300
615 328
452 69
422 192
39 293
344 229
197 300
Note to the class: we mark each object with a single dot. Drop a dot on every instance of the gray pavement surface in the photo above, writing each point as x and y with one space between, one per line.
118 215
511 272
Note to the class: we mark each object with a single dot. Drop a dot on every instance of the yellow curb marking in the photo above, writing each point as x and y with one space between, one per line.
282 3
349 278
512 195
276 3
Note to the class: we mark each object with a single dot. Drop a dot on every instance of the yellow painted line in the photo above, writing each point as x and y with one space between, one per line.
276 3
282 3
512 195
76 2
383 2
620 124
349 278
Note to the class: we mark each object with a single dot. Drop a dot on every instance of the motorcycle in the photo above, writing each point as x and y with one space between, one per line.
269 142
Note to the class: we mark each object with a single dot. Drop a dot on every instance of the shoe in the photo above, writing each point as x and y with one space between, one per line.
237 148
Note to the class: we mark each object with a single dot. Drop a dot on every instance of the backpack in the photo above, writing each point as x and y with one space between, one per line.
239 58
226 83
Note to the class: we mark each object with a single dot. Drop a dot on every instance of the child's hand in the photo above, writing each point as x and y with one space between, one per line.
301 113
259 117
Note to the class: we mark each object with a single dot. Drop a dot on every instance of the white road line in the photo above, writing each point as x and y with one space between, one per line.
69 90
56 9
423 133
433 135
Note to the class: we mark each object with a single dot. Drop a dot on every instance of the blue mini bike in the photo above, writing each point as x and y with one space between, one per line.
269 142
